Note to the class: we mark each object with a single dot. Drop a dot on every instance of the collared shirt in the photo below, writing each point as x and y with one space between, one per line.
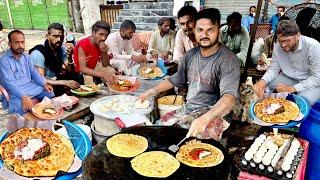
37 58
162 43
207 78
238 44
274 22
246 21
302 65
117 45
182 45
19 77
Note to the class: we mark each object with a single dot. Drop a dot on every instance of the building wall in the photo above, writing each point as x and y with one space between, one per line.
90 11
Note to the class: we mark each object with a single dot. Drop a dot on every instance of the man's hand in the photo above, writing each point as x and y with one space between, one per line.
259 88
26 103
103 47
48 88
165 55
285 88
72 84
145 95
198 126
109 76
69 48
139 59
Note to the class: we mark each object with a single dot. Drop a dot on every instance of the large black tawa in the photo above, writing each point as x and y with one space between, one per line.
100 164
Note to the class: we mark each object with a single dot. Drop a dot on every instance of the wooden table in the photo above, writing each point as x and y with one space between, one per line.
83 108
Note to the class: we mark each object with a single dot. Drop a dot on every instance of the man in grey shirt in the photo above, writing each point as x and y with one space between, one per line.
211 72
295 66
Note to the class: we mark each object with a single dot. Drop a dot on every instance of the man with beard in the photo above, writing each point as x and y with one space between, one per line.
275 18
185 39
119 42
235 37
249 19
20 78
51 61
211 72
91 50
162 39
295 66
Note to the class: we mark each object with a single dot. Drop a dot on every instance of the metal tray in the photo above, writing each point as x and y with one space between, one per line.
100 164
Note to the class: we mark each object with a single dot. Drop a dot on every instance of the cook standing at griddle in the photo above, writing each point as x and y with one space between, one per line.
211 72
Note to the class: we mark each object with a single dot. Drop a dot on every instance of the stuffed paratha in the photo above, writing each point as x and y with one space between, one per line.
157 164
197 154
150 72
122 85
126 145
276 110
37 152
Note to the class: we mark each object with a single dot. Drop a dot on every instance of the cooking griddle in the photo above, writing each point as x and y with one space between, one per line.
100 164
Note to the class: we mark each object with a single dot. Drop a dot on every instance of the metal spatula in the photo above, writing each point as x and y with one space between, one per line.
175 147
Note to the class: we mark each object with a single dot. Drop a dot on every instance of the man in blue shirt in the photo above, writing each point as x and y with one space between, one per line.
53 60
275 18
20 78
249 19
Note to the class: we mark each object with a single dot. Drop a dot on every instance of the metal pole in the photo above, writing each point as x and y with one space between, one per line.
252 38
265 11
9 13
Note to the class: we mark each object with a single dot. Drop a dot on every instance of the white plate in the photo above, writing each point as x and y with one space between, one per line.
125 103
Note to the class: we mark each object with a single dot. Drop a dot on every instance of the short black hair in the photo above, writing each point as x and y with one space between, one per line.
56 26
284 9
187 10
172 24
252 7
287 28
100 25
234 16
127 24
16 31
162 20
211 13
1 26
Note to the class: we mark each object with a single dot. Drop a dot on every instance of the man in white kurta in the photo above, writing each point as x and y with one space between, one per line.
124 56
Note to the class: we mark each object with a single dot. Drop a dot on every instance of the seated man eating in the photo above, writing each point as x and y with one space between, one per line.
54 61
20 78
211 72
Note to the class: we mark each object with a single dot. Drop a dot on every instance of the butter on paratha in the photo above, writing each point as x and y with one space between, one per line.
150 72
156 164
186 154
126 145
61 155
291 110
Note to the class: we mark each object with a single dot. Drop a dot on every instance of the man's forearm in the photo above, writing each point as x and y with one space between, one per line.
221 108
105 59
161 87
91 72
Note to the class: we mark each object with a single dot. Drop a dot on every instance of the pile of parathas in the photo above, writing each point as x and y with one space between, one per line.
59 153
160 164
291 110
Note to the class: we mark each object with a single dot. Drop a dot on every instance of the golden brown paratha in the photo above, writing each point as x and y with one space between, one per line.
157 164
59 157
126 145
189 154
290 110
150 72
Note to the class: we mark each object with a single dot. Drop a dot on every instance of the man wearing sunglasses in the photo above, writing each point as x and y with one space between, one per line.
295 66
